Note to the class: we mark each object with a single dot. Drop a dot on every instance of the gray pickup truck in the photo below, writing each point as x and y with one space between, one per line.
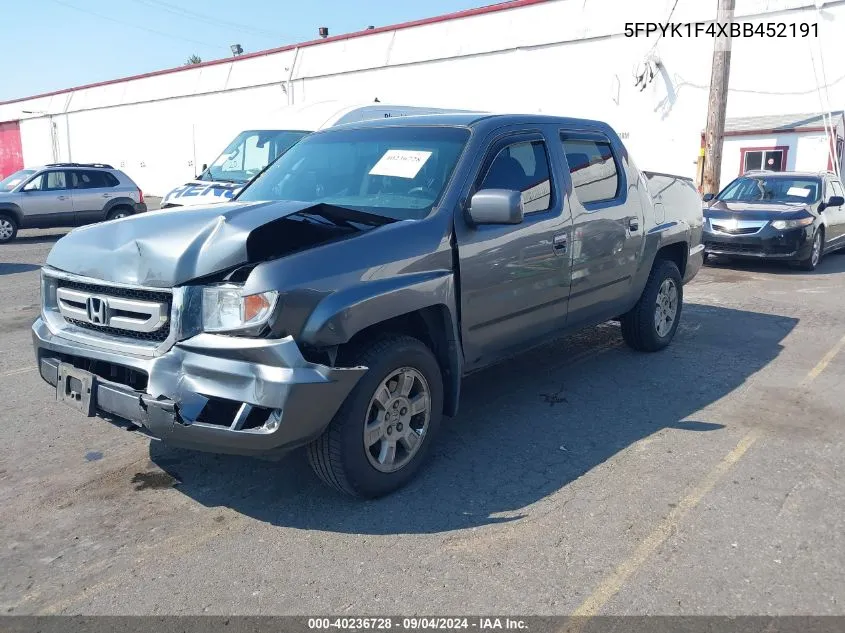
338 301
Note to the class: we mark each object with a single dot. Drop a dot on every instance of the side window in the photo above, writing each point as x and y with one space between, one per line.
837 188
256 153
593 169
36 184
523 167
55 180
93 180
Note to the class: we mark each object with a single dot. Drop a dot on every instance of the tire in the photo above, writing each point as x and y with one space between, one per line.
8 228
812 261
640 325
119 212
704 259
339 456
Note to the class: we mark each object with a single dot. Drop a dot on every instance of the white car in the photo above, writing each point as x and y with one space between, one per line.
253 149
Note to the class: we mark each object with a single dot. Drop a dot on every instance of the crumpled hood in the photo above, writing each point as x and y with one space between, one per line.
167 248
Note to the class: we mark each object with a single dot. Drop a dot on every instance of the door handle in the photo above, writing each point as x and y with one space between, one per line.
63 197
634 224
107 195
559 243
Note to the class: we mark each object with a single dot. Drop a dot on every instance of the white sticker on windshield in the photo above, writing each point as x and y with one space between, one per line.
798 191
400 163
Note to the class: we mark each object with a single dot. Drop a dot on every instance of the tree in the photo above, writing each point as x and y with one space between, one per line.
193 59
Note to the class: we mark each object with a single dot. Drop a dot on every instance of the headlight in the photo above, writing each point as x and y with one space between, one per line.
791 224
226 309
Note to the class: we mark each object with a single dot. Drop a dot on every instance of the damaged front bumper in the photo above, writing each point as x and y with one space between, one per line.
209 392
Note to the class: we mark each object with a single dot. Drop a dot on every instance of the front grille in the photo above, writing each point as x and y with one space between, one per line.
117 291
159 335
743 231
734 248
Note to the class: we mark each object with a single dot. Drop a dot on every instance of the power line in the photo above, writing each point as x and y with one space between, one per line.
137 26
207 19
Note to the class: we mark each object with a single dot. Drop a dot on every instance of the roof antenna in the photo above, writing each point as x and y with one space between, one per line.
377 101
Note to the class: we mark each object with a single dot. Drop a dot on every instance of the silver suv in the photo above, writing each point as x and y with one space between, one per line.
65 194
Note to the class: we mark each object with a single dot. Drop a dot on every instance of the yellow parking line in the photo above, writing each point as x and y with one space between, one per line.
824 362
611 585
614 582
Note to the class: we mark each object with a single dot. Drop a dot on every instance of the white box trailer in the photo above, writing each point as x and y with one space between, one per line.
265 140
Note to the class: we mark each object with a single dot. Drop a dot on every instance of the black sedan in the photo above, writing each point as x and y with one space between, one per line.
790 216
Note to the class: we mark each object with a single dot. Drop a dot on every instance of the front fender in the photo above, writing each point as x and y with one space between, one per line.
342 314
13 210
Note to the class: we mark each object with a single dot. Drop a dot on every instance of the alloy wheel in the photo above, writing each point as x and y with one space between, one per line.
397 420
666 308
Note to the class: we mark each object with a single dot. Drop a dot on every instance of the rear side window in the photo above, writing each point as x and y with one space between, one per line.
837 188
94 180
523 167
594 174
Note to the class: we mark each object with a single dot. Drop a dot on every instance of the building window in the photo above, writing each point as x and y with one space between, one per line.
763 158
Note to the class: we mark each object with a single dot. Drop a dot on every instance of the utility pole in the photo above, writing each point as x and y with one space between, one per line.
718 100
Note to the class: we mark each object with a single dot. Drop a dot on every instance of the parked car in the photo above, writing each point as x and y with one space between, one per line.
790 216
338 301
65 194
267 138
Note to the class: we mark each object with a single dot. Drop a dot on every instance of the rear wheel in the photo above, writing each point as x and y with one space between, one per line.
381 435
120 212
651 324
8 228
816 252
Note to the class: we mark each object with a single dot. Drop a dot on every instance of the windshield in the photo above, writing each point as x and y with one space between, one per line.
772 189
249 153
396 172
10 182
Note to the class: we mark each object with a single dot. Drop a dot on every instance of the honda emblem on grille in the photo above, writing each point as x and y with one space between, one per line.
97 308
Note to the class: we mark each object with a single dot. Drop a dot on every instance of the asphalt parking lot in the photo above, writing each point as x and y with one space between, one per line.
579 478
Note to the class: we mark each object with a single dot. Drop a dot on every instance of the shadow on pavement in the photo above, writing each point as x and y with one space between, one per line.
11 269
526 429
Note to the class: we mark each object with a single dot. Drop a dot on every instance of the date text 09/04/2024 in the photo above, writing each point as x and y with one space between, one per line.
418 623
722 29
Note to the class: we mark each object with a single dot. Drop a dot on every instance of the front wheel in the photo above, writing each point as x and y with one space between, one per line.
381 435
651 323
816 252
8 228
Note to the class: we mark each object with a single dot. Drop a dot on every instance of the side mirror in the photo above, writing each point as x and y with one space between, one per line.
496 206
835 201
204 166
708 197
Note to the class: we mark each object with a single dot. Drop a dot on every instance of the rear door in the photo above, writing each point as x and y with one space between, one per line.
515 278
46 200
607 227
92 191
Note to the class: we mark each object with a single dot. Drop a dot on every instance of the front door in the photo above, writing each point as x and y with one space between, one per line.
607 225
46 200
515 278
835 215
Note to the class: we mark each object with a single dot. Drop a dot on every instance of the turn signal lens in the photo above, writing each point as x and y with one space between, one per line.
226 309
